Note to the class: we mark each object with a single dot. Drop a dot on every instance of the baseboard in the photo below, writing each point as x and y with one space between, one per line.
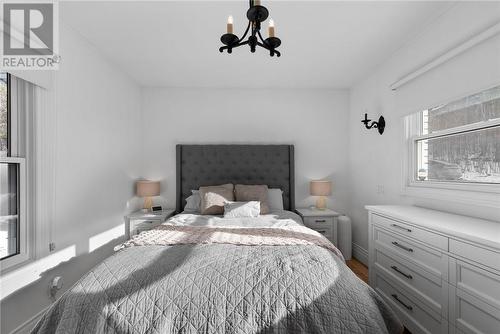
27 326
360 254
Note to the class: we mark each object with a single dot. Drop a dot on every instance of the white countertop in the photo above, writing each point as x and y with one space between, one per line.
152 215
485 232
308 212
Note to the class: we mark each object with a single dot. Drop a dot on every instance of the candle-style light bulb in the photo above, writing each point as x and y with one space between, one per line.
256 2
230 24
270 30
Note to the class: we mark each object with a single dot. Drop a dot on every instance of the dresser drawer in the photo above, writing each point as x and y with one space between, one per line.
318 221
327 232
477 282
481 255
429 259
471 315
323 225
413 232
428 288
416 316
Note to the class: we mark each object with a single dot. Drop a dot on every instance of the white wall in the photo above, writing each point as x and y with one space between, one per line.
102 140
315 121
376 160
96 159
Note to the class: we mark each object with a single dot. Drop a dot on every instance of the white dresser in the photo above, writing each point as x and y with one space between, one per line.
440 272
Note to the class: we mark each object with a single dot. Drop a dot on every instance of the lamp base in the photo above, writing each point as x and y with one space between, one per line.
148 203
321 203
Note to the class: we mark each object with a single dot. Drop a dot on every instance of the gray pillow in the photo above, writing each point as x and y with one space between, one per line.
246 193
214 197
275 199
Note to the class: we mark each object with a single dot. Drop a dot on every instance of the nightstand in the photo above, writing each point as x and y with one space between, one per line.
139 221
322 221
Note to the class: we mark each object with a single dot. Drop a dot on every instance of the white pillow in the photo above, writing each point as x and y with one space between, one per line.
275 199
241 209
193 202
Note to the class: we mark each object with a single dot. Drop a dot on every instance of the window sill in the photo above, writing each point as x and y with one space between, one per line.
477 194
12 263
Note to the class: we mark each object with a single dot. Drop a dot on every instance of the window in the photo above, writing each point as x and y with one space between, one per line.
8 180
457 145
4 113
13 213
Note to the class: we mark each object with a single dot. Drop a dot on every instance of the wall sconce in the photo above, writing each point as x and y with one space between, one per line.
380 125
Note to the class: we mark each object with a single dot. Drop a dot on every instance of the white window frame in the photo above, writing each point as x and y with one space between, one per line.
21 152
23 233
481 194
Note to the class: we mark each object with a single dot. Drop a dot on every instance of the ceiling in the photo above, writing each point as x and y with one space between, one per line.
325 44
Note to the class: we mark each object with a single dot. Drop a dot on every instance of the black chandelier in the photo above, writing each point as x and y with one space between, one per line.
256 14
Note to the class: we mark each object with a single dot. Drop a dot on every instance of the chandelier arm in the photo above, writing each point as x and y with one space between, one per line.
264 46
261 38
243 43
232 46
246 31
273 51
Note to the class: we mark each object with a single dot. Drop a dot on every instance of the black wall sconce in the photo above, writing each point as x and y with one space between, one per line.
380 125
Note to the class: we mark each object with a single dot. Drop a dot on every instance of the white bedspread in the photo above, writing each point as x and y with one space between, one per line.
273 219
276 229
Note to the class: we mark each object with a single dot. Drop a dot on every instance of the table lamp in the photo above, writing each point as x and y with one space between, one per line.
147 189
320 188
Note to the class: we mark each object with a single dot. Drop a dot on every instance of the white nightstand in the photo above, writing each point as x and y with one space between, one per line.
139 221
322 221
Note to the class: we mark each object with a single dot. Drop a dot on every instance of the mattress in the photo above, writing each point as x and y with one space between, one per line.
211 287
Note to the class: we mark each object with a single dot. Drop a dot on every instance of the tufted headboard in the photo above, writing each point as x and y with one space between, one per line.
205 165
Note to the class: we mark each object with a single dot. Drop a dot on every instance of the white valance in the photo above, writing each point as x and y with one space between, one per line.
41 78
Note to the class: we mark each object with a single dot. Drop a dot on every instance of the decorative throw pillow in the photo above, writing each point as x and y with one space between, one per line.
275 199
241 209
245 193
193 202
214 197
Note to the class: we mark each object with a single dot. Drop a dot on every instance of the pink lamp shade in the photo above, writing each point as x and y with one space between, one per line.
320 188
147 189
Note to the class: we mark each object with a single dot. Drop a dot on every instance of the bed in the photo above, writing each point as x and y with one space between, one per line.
209 274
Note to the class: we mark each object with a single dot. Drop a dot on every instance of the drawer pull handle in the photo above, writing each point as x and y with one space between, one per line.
402 247
408 307
320 221
396 269
401 227
322 232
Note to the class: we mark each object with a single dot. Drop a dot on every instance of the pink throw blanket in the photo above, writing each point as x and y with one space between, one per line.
168 234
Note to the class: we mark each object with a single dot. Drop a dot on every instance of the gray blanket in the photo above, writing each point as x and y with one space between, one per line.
218 288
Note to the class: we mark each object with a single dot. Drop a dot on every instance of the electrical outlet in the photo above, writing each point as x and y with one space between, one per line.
52 246
380 189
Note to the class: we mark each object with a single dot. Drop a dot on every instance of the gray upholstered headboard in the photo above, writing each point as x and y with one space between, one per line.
204 165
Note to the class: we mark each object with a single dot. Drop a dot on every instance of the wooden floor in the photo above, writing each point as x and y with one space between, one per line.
359 269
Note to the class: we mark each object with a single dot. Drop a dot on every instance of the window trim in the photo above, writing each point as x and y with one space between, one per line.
24 244
21 144
482 194
9 110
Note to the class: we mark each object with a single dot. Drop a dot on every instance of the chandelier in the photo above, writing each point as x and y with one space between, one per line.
256 14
